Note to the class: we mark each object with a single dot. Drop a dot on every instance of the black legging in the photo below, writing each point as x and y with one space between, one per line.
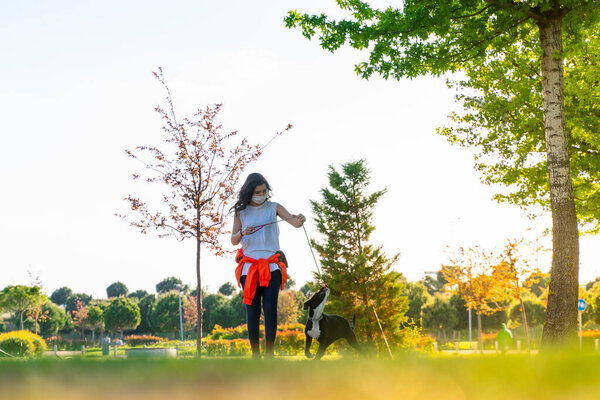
269 295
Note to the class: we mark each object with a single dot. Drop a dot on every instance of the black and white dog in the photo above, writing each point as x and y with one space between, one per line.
324 328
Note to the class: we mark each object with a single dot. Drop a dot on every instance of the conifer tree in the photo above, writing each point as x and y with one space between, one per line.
358 273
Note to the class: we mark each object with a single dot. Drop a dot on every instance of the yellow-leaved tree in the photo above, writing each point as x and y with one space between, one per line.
479 279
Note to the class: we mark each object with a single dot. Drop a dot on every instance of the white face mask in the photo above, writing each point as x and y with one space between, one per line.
259 199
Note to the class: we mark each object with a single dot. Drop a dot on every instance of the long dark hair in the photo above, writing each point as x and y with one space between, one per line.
245 195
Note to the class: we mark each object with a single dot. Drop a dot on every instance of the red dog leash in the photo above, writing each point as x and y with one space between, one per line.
259 227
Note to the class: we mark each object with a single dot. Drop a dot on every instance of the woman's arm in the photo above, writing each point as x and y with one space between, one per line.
237 232
236 236
295 220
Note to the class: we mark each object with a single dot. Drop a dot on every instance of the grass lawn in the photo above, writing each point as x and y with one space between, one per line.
409 377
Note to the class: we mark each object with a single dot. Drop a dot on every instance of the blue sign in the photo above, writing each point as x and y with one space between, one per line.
581 305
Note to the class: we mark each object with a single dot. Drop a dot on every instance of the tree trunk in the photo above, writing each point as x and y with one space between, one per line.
22 321
368 330
199 300
525 325
561 312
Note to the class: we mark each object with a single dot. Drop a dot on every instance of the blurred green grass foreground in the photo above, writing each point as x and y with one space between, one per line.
571 376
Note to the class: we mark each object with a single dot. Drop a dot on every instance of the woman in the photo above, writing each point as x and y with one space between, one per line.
261 267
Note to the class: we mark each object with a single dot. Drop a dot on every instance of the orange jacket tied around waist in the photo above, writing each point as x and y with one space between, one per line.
258 271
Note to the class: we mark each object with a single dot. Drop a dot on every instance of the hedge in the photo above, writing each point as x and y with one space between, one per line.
138 340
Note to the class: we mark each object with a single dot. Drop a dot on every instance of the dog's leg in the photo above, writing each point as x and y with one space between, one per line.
307 346
321 351
351 338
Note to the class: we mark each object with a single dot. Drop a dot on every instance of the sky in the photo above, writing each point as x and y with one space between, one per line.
76 90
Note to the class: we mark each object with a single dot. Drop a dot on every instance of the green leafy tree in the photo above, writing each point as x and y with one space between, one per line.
434 285
146 305
462 311
212 304
290 283
121 314
493 321
168 285
60 295
440 316
71 304
417 296
439 36
55 321
138 294
20 299
503 121
358 274
69 327
227 289
535 311
95 320
116 289
591 284
537 283
306 289
232 313
288 307
165 316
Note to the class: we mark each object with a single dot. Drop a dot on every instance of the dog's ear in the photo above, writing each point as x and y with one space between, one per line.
305 306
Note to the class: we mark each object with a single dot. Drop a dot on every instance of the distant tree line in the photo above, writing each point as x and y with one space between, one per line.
124 312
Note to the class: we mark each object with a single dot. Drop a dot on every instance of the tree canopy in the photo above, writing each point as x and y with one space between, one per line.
116 289
60 295
121 314
502 119
439 36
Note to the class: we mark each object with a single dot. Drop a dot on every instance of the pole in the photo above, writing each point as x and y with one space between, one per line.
580 334
382 333
180 316
470 337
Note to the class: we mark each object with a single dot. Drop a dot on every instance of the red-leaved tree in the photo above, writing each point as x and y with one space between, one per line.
80 315
199 168
190 312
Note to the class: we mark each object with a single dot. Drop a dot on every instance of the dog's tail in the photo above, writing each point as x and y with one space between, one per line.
353 322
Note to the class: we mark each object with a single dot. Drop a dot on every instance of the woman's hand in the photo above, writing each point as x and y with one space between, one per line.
247 230
301 219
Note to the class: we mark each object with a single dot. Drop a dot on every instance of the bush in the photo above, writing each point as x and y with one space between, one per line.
290 342
38 342
22 344
217 347
66 343
234 342
241 332
489 340
412 338
137 340
221 347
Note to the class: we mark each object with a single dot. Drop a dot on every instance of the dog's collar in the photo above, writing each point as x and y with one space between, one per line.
320 318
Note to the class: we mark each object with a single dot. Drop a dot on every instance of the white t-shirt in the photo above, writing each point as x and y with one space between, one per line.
265 242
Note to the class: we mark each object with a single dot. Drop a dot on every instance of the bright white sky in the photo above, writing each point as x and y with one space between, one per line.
76 89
